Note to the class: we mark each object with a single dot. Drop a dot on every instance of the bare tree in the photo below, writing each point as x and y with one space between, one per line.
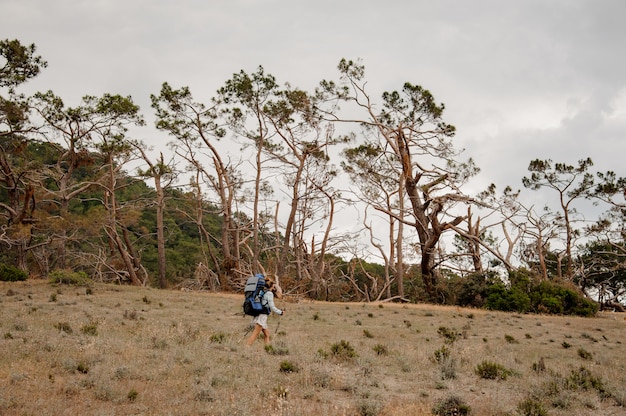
195 130
571 184
409 126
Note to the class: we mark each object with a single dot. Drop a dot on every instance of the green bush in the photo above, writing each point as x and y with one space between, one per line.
11 274
69 277
531 407
451 406
492 371
526 294
343 350
500 298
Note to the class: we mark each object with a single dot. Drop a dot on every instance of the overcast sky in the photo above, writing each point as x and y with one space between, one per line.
521 79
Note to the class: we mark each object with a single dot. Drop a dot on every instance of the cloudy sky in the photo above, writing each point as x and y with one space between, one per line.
521 79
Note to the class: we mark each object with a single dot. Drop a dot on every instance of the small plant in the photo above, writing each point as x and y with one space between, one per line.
369 407
511 339
288 367
316 316
492 371
584 380
540 366
442 354
53 297
566 345
322 354
449 335
381 349
531 407
367 334
82 367
451 406
132 315
132 395
276 350
217 338
589 337
64 327
90 329
146 300
343 350
584 354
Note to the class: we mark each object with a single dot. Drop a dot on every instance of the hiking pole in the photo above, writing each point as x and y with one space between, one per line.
247 331
278 325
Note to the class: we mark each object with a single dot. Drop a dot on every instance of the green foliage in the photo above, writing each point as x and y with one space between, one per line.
11 274
555 298
449 335
451 406
381 349
343 350
527 295
288 367
583 379
90 329
492 371
531 407
500 298
68 277
442 354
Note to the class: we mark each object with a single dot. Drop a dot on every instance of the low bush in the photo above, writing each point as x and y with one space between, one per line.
11 274
69 277
492 371
451 406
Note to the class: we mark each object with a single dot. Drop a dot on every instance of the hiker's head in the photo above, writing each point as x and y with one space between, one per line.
270 283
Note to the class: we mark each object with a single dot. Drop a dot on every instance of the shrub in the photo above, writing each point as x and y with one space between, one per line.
343 350
584 380
531 407
492 371
288 367
90 328
69 277
11 274
442 354
448 334
451 406
511 339
584 354
278 350
64 327
217 338
381 349
560 298
500 298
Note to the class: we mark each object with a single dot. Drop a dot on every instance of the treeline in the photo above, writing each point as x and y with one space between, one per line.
253 180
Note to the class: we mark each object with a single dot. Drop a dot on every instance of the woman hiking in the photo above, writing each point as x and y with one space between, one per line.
260 321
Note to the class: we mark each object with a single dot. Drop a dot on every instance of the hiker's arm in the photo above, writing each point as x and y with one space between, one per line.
270 303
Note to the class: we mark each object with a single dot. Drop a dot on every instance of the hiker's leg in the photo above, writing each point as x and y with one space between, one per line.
266 332
255 333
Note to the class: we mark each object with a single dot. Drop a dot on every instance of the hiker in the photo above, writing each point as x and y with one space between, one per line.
260 321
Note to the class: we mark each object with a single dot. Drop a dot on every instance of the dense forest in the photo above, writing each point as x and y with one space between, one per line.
260 178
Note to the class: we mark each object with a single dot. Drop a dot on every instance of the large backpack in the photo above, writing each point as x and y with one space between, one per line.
253 302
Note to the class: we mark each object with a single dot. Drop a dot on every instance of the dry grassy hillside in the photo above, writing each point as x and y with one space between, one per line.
116 350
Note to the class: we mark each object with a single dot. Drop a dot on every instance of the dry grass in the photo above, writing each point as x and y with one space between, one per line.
114 350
